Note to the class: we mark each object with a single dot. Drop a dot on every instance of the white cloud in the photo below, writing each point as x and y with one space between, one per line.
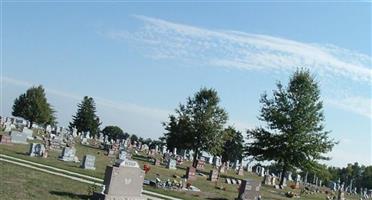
338 68
241 126
244 50
359 105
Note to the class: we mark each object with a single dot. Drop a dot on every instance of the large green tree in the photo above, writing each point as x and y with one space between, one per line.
34 107
294 136
114 132
86 119
232 148
197 125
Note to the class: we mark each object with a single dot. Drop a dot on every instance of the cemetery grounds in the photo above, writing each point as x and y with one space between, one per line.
23 183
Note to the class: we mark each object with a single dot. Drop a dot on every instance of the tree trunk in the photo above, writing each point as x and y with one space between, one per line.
284 169
195 161
31 123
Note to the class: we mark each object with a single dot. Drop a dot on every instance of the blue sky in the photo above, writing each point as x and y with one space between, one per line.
140 60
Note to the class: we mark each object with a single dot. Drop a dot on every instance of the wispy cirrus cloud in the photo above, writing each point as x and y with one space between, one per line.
163 39
244 50
359 105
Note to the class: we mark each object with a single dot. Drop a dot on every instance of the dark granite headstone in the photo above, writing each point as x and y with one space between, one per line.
201 164
5 139
249 190
36 150
190 173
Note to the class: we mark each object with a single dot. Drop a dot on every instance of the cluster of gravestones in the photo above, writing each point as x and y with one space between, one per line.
17 137
68 154
11 123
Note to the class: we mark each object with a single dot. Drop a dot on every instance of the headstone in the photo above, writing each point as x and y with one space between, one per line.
8 127
174 151
236 165
298 179
267 179
273 180
48 128
262 173
249 190
122 155
213 175
68 154
28 132
89 162
56 142
216 161
228 181
156 162
74 132
84 141
191 173
249 167
164 149
289 176
233 181
284 182
36 150
171 164
341 195
18 137
5 139
200 165
240 171
222 169
123 181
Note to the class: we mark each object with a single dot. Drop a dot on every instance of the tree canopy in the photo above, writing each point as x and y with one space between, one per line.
114 133
86 119
294 136
232 148
197 125
34 107
133 138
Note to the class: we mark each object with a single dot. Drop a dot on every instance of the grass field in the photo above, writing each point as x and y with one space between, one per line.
22 183
209 190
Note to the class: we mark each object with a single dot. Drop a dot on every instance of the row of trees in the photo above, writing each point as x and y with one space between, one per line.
360 175
293 138
34 107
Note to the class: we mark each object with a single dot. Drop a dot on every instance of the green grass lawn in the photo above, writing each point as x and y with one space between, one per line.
209 190
23 183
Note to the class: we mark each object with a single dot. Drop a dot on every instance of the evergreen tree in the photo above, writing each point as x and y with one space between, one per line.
295 136
86 119
198 124
34 107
